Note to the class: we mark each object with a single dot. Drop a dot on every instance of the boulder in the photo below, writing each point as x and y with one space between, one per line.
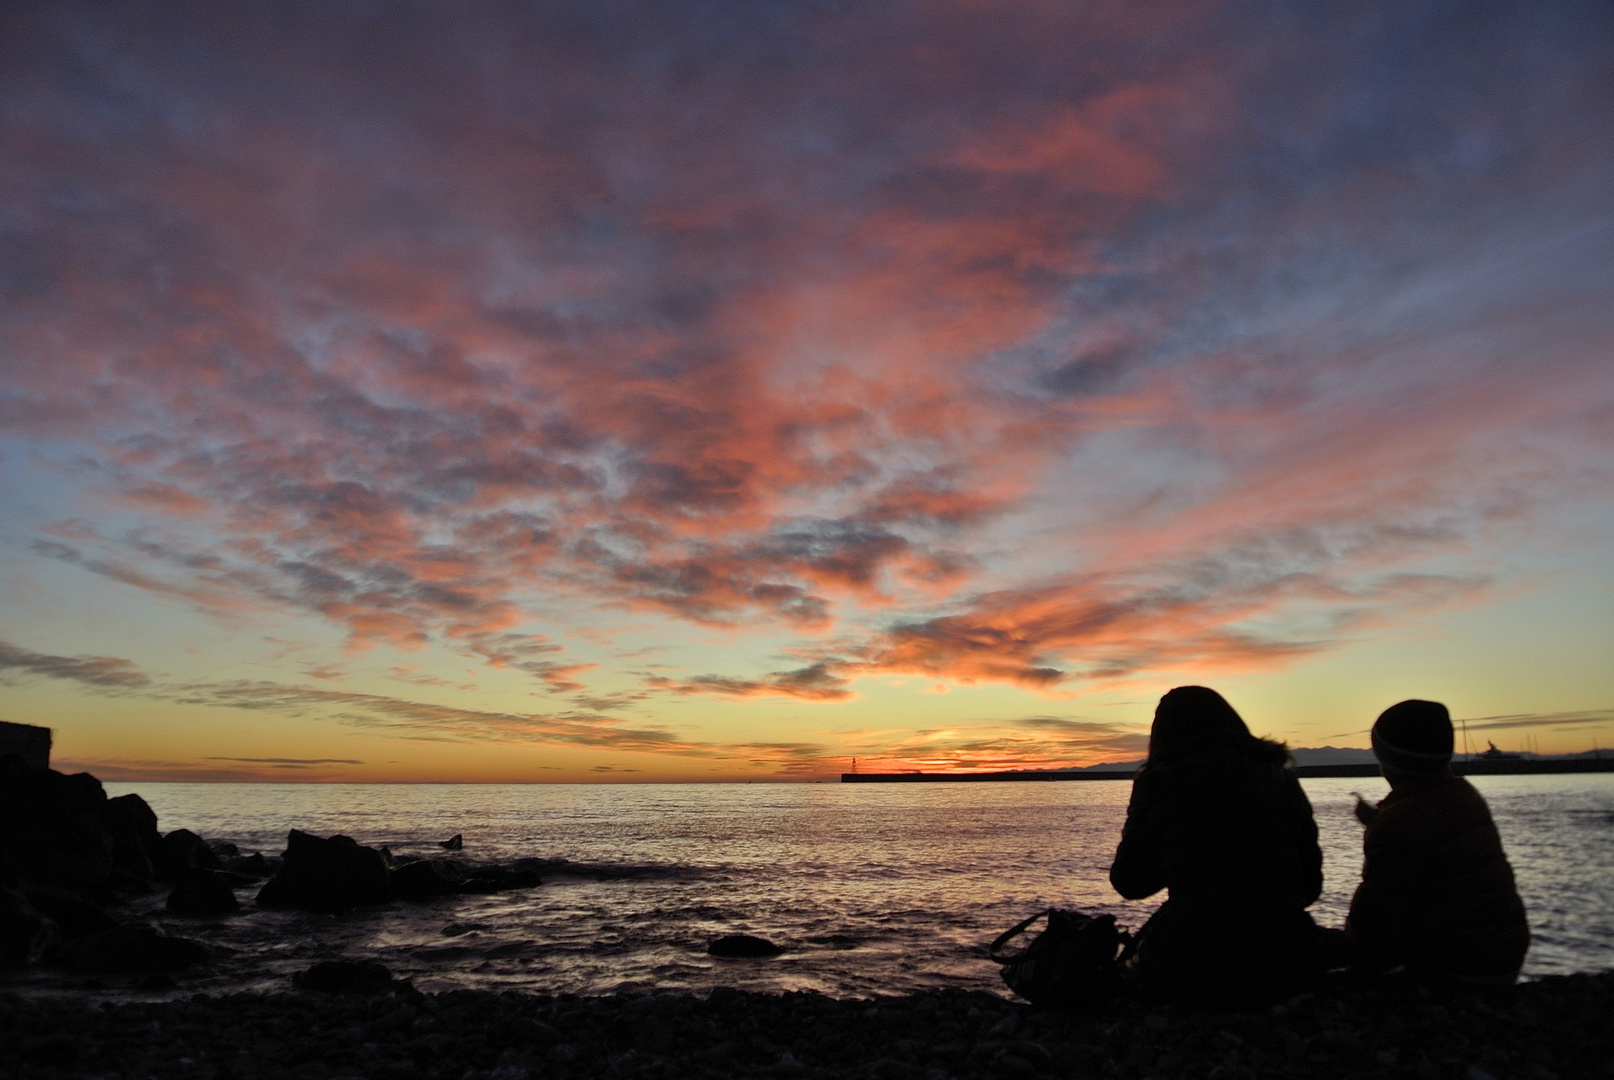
344 976
183 851
453 843
235 880
494 879
130 949
25 932
203 892
427 878
74 915
51 829
136 843
742 947
254 866
327 875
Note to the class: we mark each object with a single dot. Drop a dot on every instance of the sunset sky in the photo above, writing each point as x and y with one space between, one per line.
614 391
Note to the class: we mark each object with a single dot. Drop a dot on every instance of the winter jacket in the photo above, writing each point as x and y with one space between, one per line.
1234 843
1437 892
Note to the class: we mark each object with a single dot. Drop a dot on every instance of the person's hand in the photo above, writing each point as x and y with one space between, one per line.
1364 809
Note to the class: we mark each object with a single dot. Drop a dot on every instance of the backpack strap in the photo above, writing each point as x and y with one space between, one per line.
1010 934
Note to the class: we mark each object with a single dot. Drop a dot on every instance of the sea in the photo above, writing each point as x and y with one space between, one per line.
872 889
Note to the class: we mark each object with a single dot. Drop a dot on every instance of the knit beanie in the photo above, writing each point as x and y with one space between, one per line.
1414 736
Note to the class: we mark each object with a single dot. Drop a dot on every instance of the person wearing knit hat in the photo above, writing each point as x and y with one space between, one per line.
1414 736
1437 896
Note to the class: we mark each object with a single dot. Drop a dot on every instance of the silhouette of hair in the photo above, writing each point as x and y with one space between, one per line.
1414 736
1197 722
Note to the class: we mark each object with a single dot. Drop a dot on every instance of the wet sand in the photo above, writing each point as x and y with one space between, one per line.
1557 1027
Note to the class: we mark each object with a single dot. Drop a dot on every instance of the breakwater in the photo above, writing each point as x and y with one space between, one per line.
1478 767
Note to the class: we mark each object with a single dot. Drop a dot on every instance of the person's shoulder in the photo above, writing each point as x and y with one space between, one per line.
1397 812
1153 778
1465 798
1451 792
1445 802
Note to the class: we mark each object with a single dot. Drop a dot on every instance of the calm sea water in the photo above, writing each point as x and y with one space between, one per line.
871 888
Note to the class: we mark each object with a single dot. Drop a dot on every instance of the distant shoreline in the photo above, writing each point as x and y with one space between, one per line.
1499 767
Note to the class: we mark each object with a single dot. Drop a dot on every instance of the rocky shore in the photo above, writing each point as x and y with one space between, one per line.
72 860
1555 1028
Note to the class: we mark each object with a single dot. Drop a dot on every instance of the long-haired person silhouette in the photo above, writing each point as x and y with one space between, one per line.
1218 819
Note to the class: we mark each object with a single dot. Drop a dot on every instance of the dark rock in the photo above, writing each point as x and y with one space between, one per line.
74 915
27 743
344 976
838 942
25 932
136 843
453 843
427 878
130 949
87 791
742 947
183 851
51 829
494 879
203 892
123 884
253 866
224 852
538 866
327 875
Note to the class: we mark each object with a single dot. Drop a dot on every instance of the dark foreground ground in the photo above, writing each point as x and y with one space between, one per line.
1557 1027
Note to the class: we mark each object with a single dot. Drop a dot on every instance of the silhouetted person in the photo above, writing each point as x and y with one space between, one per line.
1437 895
1219 821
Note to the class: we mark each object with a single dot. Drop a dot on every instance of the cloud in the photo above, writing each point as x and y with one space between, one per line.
1014 344
1581 718
1032 742
290 763
519 651
816 682
99 672
147 770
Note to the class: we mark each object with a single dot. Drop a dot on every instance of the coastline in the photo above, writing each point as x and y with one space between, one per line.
99 1020
1549 1029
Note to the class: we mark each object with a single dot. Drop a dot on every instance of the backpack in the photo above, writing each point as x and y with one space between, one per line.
1071 964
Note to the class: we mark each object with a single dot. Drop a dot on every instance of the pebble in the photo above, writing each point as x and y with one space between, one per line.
1555 1027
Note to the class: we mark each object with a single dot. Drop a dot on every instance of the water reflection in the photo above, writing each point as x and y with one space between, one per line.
875 889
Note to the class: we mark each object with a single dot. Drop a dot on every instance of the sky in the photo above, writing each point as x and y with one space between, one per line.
726 391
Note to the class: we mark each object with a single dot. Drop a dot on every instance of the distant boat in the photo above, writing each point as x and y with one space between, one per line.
1493 754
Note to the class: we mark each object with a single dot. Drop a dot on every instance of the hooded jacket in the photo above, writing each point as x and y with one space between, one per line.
1230 838
1437 893
1233 840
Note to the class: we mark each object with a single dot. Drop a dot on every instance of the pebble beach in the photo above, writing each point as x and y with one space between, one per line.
1556 1027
